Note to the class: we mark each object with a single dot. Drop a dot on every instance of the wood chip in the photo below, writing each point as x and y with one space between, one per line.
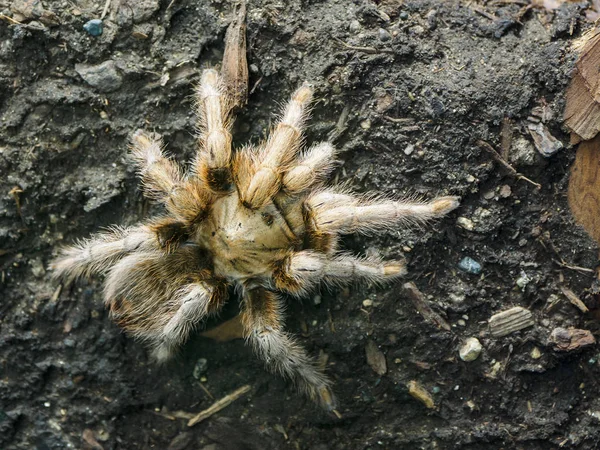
582 113
375 358
576 301
421 394
566 340
582 109
218 406
510 321
423 307
584 187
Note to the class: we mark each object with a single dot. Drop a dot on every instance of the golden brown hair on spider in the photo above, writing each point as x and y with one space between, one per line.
261 218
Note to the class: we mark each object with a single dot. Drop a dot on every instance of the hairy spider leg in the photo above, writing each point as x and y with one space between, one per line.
213 109
310 169
161 297
278 152
299 272
186 199
341 213
98 254
262 323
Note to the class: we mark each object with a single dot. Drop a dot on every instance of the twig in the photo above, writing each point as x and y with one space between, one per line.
206 391
488 148
173 415
576 268
15 194
105 10
405 120
218 405
10 19
423 307
369 50
560 261
575 301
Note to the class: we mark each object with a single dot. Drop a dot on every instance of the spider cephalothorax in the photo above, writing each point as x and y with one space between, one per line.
260 219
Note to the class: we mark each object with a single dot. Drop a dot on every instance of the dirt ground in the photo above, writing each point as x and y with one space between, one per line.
405 89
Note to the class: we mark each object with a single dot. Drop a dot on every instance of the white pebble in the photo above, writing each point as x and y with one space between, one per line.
470 350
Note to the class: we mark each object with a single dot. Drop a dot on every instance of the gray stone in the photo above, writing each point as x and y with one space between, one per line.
104 77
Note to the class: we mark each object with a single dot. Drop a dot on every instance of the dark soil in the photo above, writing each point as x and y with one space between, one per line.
454 71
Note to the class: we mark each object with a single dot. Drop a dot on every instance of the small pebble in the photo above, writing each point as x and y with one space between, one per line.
384 35
470 350
200 368
523 280
93 27
367 303
410 148
505 191
536 353
355 26
365 124
461 323
465 223
317 300
469 265
436 390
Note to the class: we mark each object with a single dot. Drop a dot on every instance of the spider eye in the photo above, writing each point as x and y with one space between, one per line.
267 218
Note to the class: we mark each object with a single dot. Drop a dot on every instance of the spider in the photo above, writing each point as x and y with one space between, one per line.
261 219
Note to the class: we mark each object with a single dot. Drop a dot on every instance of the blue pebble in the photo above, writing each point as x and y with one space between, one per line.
436 390
94 27
469 265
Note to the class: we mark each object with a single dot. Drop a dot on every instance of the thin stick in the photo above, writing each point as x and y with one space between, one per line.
369 50
488 148
218 405
105 10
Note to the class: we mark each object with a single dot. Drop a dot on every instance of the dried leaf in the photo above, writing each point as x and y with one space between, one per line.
375 358
227 331
90 439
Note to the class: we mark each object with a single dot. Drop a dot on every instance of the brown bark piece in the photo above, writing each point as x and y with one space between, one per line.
588 63
584 187
567 340
235 65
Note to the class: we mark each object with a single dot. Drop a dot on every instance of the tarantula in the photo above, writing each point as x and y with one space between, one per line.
261 219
